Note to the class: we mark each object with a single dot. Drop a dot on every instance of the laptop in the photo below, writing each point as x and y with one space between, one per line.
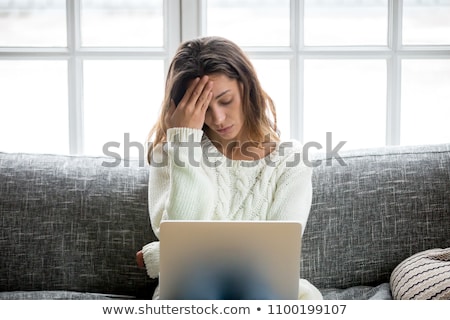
229 259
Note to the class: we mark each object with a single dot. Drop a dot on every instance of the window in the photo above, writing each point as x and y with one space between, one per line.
372 72
76 75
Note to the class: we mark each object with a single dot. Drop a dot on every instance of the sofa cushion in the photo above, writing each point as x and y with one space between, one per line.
71 223
373 208
423 276
57 295
380 292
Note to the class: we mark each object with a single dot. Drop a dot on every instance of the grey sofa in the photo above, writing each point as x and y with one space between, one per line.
71 225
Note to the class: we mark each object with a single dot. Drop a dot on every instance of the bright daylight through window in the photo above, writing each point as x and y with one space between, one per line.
75 75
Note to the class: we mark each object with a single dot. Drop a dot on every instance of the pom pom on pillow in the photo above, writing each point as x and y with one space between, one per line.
423 276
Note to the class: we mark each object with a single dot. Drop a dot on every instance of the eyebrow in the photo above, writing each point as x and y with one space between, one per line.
221 94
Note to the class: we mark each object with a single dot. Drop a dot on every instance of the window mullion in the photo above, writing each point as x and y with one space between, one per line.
393 112
297 70
192 25
75 78
172 27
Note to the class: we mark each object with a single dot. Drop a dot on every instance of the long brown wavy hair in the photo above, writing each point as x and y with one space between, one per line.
209 55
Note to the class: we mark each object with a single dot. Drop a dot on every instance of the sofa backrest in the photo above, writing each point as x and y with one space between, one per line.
379 208
70 223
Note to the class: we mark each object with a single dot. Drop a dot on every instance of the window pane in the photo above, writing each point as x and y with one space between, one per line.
426 22
121 98
275 79
348 99
346 23
250 22
425 101
120 23
38 23
33 106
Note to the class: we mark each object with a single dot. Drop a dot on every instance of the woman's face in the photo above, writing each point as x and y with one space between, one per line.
225 116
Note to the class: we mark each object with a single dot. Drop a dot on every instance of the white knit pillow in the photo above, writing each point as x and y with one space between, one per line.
423 276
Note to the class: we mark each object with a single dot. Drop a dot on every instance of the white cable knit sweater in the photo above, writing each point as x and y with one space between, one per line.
191 180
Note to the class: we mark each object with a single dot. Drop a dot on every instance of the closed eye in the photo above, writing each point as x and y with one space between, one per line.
227 102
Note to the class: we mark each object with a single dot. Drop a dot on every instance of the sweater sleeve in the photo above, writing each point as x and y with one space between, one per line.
293 193
179 186
182 189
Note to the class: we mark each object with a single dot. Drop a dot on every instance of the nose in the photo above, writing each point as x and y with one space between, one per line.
217 114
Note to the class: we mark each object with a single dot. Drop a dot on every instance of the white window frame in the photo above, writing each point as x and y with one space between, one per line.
193 25
75 54
186 19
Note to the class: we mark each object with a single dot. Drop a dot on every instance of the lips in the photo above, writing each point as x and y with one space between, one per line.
225 130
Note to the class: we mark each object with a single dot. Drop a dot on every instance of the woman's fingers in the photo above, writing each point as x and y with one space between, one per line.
200 96
205 105
191 110
169 113
197 94
140 259
189 92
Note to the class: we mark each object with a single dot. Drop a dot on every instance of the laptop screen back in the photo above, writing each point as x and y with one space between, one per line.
263 255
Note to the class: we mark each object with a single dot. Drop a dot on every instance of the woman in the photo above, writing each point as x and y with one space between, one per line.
215 151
